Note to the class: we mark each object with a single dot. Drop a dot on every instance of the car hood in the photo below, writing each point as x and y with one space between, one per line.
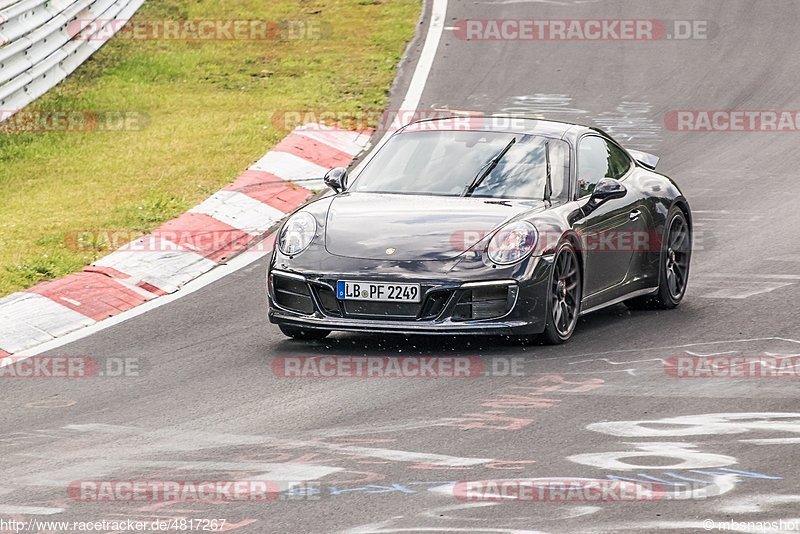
413 227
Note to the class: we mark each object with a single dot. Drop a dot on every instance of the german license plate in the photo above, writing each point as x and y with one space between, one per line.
377 291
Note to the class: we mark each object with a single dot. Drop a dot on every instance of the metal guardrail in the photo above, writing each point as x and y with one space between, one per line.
37 45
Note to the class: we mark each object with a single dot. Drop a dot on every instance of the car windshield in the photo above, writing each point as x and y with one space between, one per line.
447 162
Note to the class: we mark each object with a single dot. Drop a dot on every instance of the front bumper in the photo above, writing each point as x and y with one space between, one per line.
524 314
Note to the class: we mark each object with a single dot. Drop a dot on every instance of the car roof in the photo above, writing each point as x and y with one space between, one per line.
502 123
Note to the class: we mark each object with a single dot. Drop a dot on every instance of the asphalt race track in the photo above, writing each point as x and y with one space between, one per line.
381 455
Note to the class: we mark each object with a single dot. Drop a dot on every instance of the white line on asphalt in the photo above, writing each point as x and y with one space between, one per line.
711 291
773 338
745 275
8 509
772 441
690 353
408 456
618 363
421 72
426 57
785 257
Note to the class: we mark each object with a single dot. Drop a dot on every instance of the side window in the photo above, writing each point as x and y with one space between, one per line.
559 168
598 159
619 162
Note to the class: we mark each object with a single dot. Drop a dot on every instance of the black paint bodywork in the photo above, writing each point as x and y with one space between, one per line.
354 230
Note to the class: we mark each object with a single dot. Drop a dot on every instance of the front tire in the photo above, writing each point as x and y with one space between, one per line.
676 253
564 296
307 334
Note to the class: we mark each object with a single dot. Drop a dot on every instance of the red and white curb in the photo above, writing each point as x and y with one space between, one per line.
180 250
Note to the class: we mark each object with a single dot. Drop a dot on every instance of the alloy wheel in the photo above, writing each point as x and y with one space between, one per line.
565 292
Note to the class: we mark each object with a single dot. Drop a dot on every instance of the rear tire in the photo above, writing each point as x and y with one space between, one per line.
307 334
564 296
676 254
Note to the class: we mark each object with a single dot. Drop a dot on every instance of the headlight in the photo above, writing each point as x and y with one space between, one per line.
512 243
297 234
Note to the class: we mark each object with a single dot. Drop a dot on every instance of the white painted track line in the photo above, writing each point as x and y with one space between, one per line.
421 72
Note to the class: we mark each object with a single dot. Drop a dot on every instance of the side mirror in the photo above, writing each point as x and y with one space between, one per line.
336 179
606 189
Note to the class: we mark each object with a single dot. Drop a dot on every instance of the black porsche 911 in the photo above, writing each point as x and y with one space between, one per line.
510 226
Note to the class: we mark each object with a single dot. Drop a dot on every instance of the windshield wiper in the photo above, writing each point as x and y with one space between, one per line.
486 169
548 184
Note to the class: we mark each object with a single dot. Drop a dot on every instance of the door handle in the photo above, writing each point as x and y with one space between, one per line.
635 214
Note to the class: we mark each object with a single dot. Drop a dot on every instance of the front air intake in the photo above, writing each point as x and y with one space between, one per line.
489 302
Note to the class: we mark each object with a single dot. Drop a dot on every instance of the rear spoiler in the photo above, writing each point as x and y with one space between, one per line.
648 160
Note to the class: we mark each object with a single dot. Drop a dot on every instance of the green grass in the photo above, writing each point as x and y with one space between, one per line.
208 109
